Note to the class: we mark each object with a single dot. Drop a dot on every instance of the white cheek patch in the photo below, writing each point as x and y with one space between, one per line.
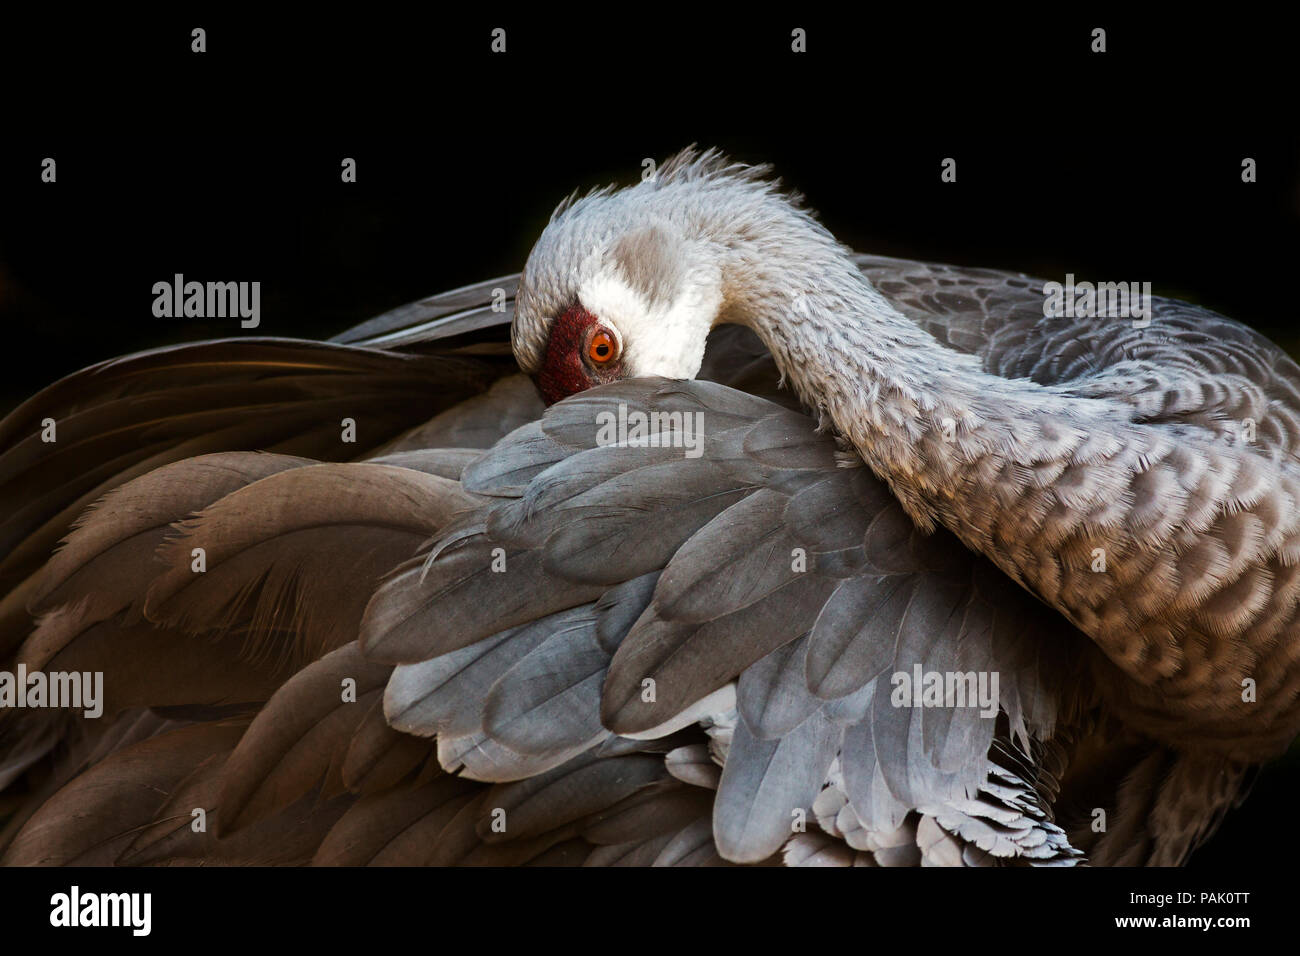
666 341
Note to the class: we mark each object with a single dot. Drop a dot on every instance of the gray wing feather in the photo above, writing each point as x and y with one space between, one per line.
767 783
772 696
549 700
445 694
460 311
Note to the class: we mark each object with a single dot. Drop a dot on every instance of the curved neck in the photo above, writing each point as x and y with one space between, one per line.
922 415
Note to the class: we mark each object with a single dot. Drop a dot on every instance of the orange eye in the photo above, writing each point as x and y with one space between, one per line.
601 349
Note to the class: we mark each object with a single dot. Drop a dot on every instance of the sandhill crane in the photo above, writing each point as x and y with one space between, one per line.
640 604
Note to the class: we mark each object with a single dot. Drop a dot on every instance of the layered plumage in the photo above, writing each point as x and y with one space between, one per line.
486 632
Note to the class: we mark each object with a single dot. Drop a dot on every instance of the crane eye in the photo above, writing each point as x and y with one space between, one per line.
602 349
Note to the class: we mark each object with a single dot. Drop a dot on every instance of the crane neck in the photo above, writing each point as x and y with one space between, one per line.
923 416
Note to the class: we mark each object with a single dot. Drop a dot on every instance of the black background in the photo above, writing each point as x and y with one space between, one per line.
1123 166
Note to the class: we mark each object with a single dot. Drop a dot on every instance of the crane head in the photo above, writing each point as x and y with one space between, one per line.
629 283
